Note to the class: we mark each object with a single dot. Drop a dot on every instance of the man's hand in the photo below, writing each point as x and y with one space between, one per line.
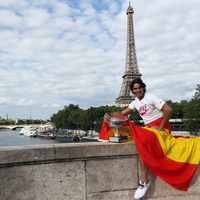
106 118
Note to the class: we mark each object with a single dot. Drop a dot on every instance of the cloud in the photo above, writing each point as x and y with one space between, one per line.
53 52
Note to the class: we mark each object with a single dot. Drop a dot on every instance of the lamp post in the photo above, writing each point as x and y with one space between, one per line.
95 123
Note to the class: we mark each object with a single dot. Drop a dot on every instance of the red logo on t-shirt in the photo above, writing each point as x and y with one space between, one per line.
143 110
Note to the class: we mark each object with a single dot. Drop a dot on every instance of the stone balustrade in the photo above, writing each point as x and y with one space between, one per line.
79 171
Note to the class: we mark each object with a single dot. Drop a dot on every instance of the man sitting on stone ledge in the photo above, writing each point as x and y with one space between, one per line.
157 148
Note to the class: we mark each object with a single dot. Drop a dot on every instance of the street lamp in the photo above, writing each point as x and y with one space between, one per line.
95 123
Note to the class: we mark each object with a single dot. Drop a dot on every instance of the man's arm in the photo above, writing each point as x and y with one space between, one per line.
107 116
167 111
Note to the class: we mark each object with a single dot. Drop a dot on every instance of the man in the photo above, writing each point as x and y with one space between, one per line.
155 114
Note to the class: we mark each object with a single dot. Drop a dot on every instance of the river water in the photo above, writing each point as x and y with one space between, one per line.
13 138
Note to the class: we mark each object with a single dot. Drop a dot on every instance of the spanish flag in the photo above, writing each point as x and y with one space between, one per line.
174 159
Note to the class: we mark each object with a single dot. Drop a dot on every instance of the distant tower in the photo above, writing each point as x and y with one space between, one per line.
131 68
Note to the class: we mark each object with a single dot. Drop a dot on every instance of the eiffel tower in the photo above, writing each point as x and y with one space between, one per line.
131 68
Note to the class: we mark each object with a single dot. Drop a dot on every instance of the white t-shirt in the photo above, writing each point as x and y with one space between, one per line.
149 107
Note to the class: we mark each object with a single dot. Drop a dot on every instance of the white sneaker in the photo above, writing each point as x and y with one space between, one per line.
141 190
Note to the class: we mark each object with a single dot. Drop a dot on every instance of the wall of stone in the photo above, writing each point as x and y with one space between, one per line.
79 171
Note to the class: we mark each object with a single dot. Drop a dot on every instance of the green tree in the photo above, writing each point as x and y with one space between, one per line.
178 109
197 93
192 113
73 117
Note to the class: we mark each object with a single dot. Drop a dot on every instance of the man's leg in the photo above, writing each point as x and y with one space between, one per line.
144 172
144 182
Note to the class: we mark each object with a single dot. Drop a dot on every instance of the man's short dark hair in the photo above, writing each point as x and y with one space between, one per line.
139 81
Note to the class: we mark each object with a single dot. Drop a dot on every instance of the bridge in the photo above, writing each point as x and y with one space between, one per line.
20 126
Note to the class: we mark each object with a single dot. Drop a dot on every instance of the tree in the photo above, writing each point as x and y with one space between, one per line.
197 93
73 117
178 109
192 113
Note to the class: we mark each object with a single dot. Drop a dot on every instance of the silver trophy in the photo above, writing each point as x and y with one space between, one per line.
116 122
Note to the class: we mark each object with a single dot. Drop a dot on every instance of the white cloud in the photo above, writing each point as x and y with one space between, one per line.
53 53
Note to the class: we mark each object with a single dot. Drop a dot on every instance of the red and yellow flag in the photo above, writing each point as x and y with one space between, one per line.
175 160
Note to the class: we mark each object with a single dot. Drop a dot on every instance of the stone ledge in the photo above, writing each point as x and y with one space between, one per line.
91 150
67 151
81 171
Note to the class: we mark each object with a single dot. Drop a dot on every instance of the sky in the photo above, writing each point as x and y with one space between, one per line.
59 52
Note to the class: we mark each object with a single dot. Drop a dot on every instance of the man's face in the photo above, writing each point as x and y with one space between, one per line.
138 91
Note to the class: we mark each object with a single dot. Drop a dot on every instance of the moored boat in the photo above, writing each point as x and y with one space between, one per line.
67 138
28 131
46 133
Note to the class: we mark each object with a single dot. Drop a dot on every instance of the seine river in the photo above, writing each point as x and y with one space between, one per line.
13 138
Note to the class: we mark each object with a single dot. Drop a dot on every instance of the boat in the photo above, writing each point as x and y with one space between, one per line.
67 138
46 133
90 138
28 131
